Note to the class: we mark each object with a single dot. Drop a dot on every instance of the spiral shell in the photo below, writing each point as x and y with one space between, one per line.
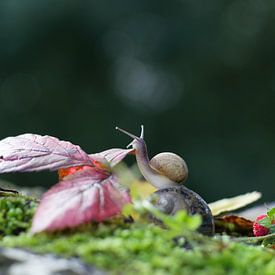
172 199
170 165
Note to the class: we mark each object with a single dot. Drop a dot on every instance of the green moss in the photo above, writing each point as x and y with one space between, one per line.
145 249
138 248
16 213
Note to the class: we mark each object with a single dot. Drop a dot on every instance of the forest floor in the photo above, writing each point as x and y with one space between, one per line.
139 247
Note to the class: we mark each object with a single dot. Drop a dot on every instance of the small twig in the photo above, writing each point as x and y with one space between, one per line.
253 239
5 191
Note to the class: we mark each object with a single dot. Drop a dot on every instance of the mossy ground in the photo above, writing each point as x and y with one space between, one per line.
16 213
139 248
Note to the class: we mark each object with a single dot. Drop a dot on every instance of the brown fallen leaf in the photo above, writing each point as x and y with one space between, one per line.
234 225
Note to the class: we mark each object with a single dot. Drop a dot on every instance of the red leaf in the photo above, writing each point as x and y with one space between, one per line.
30 152
115 155
83 197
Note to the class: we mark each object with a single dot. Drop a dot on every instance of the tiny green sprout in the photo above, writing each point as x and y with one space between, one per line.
176 225
269 220
271 213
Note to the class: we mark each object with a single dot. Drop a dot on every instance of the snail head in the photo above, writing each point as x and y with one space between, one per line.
137 143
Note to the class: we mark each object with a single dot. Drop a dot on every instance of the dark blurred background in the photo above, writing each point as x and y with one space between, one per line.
200 75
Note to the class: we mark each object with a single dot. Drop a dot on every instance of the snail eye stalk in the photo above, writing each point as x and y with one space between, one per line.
134 137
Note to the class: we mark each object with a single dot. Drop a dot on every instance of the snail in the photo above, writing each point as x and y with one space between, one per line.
167 172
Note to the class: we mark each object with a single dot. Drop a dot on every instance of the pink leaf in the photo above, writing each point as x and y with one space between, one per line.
83 197
114 156
30 152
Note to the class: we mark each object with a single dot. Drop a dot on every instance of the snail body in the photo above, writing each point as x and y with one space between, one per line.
167 171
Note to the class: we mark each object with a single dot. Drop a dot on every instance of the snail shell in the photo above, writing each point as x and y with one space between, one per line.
171 166
172 199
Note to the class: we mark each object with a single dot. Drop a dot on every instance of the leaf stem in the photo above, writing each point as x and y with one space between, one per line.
253 239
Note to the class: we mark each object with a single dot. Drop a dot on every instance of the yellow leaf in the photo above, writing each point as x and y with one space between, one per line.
142 189
230 204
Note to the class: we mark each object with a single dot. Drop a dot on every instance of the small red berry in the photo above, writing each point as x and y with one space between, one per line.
258 229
